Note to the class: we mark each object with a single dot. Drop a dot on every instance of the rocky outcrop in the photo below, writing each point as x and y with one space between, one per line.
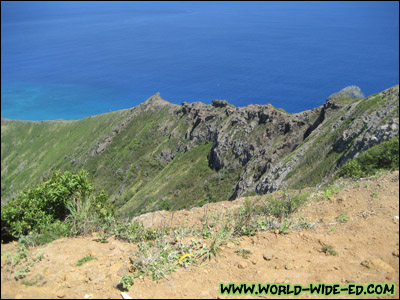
220 103
342 130
255 139
251 138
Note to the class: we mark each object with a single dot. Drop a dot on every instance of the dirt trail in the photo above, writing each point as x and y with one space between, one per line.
367 246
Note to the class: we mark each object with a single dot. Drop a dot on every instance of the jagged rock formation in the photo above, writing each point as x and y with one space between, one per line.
161 155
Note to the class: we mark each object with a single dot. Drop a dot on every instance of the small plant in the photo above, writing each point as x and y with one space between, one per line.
206 231
374 195
156 259
283 208
285 228
328 249
342 218
102 238
126 281
21 272
243 253
328 192
217 240
28 283
85 259
333 229
303 223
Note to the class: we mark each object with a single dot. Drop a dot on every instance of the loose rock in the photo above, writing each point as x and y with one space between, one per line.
268 255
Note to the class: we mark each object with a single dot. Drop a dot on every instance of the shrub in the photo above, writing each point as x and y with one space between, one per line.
56 197
382 156
283 208
126 281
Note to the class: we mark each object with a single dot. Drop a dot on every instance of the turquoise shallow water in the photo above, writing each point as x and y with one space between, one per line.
72 60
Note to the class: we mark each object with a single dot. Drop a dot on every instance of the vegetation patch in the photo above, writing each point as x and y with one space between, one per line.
382 156
85 260
342 218
328 249
243 253
38 212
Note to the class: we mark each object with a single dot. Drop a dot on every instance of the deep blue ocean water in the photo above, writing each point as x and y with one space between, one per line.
70 60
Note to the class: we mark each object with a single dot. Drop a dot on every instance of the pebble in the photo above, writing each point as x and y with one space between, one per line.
61 294
268 255
377 263
242 265
288 267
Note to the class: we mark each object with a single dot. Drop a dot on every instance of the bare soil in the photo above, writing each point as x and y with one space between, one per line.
367 246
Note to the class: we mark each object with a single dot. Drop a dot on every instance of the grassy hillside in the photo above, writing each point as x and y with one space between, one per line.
30 150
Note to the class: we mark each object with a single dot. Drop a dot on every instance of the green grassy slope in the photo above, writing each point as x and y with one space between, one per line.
30 150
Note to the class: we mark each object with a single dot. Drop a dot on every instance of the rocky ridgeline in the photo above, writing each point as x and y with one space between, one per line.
265 144
256 138
260 147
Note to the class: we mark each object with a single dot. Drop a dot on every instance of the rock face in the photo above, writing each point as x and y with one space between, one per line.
250 138
256 138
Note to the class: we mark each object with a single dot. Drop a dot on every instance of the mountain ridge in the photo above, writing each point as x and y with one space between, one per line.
162 155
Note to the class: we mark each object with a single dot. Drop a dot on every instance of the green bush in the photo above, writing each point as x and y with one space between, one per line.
382 156
35 209
47 234
283 208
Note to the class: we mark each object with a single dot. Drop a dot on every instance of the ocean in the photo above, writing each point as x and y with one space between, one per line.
70 60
